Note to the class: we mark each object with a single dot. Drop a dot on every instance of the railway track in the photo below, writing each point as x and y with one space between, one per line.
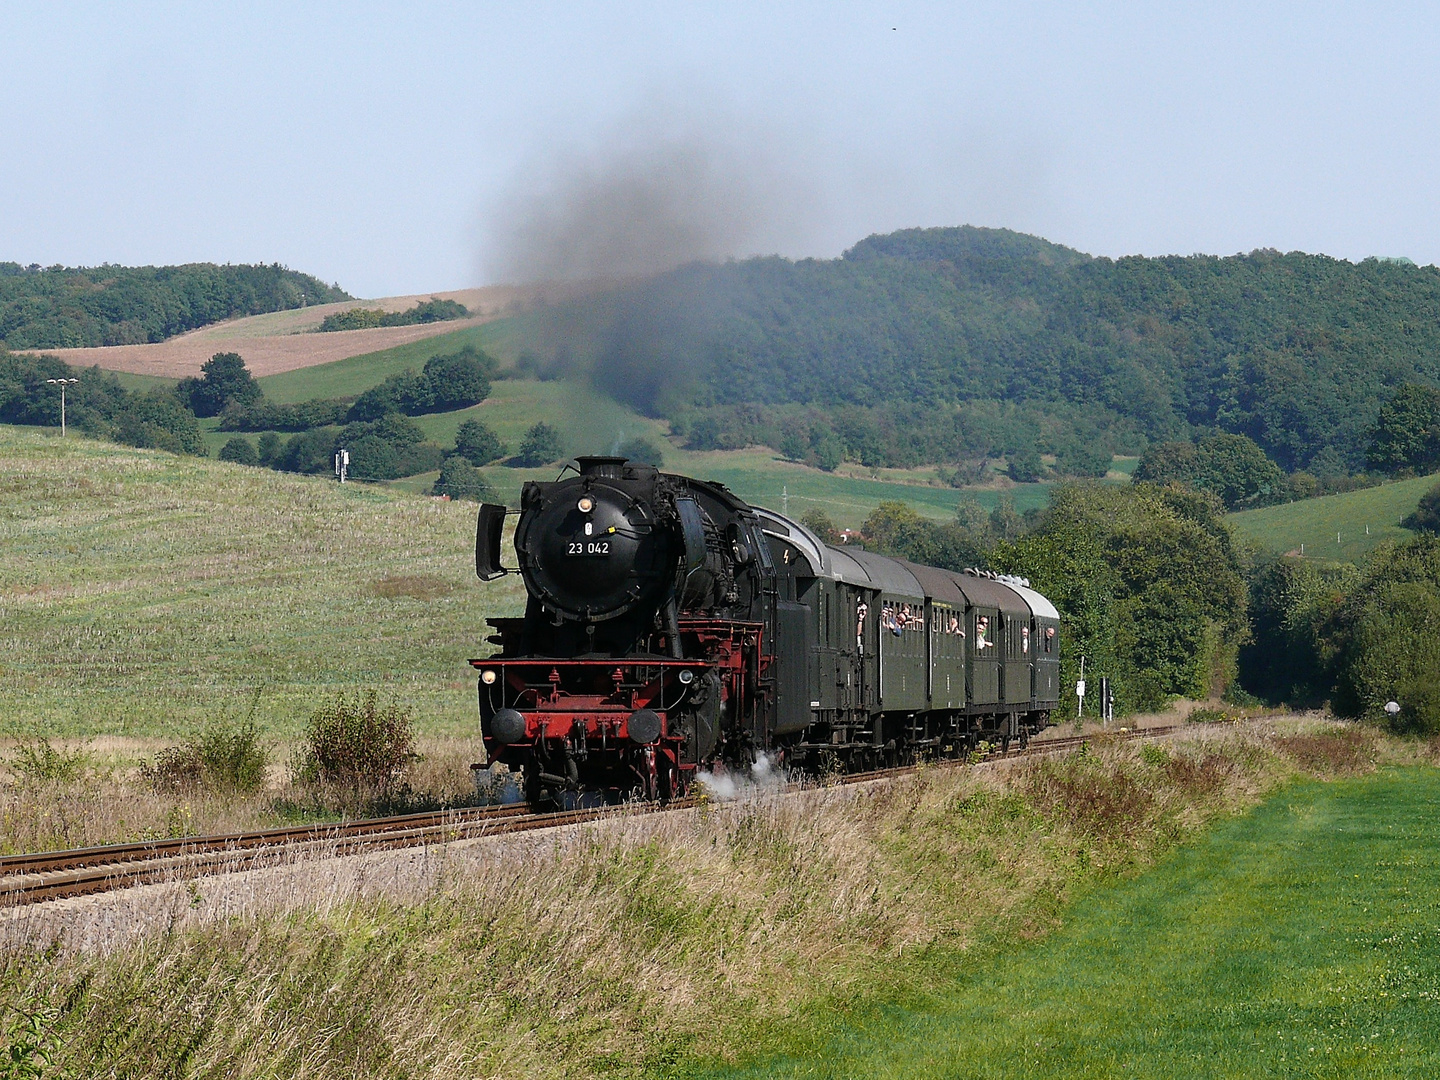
54 875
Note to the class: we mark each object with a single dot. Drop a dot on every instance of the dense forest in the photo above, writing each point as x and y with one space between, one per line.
945 344
61 308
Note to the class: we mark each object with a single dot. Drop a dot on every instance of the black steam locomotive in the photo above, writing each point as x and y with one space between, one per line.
671 627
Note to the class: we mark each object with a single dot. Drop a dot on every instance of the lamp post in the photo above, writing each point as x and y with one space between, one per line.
62 383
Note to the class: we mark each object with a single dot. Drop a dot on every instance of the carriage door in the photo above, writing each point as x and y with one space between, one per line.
1031 656
794 648
932 625
845 631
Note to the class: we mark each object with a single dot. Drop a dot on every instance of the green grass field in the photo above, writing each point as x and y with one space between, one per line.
1346 527
1301 940
142 593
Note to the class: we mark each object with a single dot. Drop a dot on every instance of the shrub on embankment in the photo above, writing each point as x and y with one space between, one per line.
1361 638
630 947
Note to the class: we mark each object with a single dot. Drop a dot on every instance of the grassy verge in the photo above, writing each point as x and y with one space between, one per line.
654 946
1296 941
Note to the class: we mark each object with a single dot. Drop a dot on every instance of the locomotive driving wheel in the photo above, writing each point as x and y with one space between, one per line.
649 775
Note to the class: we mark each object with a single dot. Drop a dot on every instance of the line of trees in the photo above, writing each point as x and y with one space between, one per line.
1297 352
963 436
1156 592
61 307
97 405
1149 579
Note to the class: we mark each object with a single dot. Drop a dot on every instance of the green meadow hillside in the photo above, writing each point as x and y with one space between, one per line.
146 593
1346 527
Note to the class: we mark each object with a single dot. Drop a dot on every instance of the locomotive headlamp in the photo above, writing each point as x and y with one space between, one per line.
488 676
586 504
687 677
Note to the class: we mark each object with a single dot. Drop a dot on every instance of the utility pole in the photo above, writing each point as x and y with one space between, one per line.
62 383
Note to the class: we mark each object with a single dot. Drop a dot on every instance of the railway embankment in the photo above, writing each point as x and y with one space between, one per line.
636 946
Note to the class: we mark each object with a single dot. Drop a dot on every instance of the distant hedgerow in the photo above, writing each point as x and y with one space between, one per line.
428 311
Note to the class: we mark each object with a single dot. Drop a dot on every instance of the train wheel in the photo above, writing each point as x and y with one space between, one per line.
671 782
537 794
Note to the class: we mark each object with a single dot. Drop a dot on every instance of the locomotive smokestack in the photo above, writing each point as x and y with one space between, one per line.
611 467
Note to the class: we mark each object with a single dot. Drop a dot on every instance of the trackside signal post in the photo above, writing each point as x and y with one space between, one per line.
342 465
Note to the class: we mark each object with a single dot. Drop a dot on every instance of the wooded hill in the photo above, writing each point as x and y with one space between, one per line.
946 344
63 307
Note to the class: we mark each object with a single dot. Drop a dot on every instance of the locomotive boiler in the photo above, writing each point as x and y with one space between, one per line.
671 627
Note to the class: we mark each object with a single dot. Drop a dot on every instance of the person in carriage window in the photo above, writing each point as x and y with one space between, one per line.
982 628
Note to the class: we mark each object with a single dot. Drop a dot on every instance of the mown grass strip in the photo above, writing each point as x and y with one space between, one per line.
1300 940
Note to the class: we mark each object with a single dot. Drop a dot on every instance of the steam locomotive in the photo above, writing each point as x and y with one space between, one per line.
672 629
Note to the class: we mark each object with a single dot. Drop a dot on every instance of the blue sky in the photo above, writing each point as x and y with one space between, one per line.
400 149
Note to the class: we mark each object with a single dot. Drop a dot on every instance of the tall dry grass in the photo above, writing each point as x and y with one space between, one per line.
113 794
623 947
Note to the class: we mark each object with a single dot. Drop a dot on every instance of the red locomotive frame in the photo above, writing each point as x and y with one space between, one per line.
578 710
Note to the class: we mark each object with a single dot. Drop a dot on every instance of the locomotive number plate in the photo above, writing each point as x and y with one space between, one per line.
588 547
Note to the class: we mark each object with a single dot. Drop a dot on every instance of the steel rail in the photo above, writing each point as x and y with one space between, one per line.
34 878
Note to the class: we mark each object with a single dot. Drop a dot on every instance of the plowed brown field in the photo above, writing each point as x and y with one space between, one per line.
286 340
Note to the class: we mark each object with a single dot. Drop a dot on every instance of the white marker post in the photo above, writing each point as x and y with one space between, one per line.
62 383
1080 690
